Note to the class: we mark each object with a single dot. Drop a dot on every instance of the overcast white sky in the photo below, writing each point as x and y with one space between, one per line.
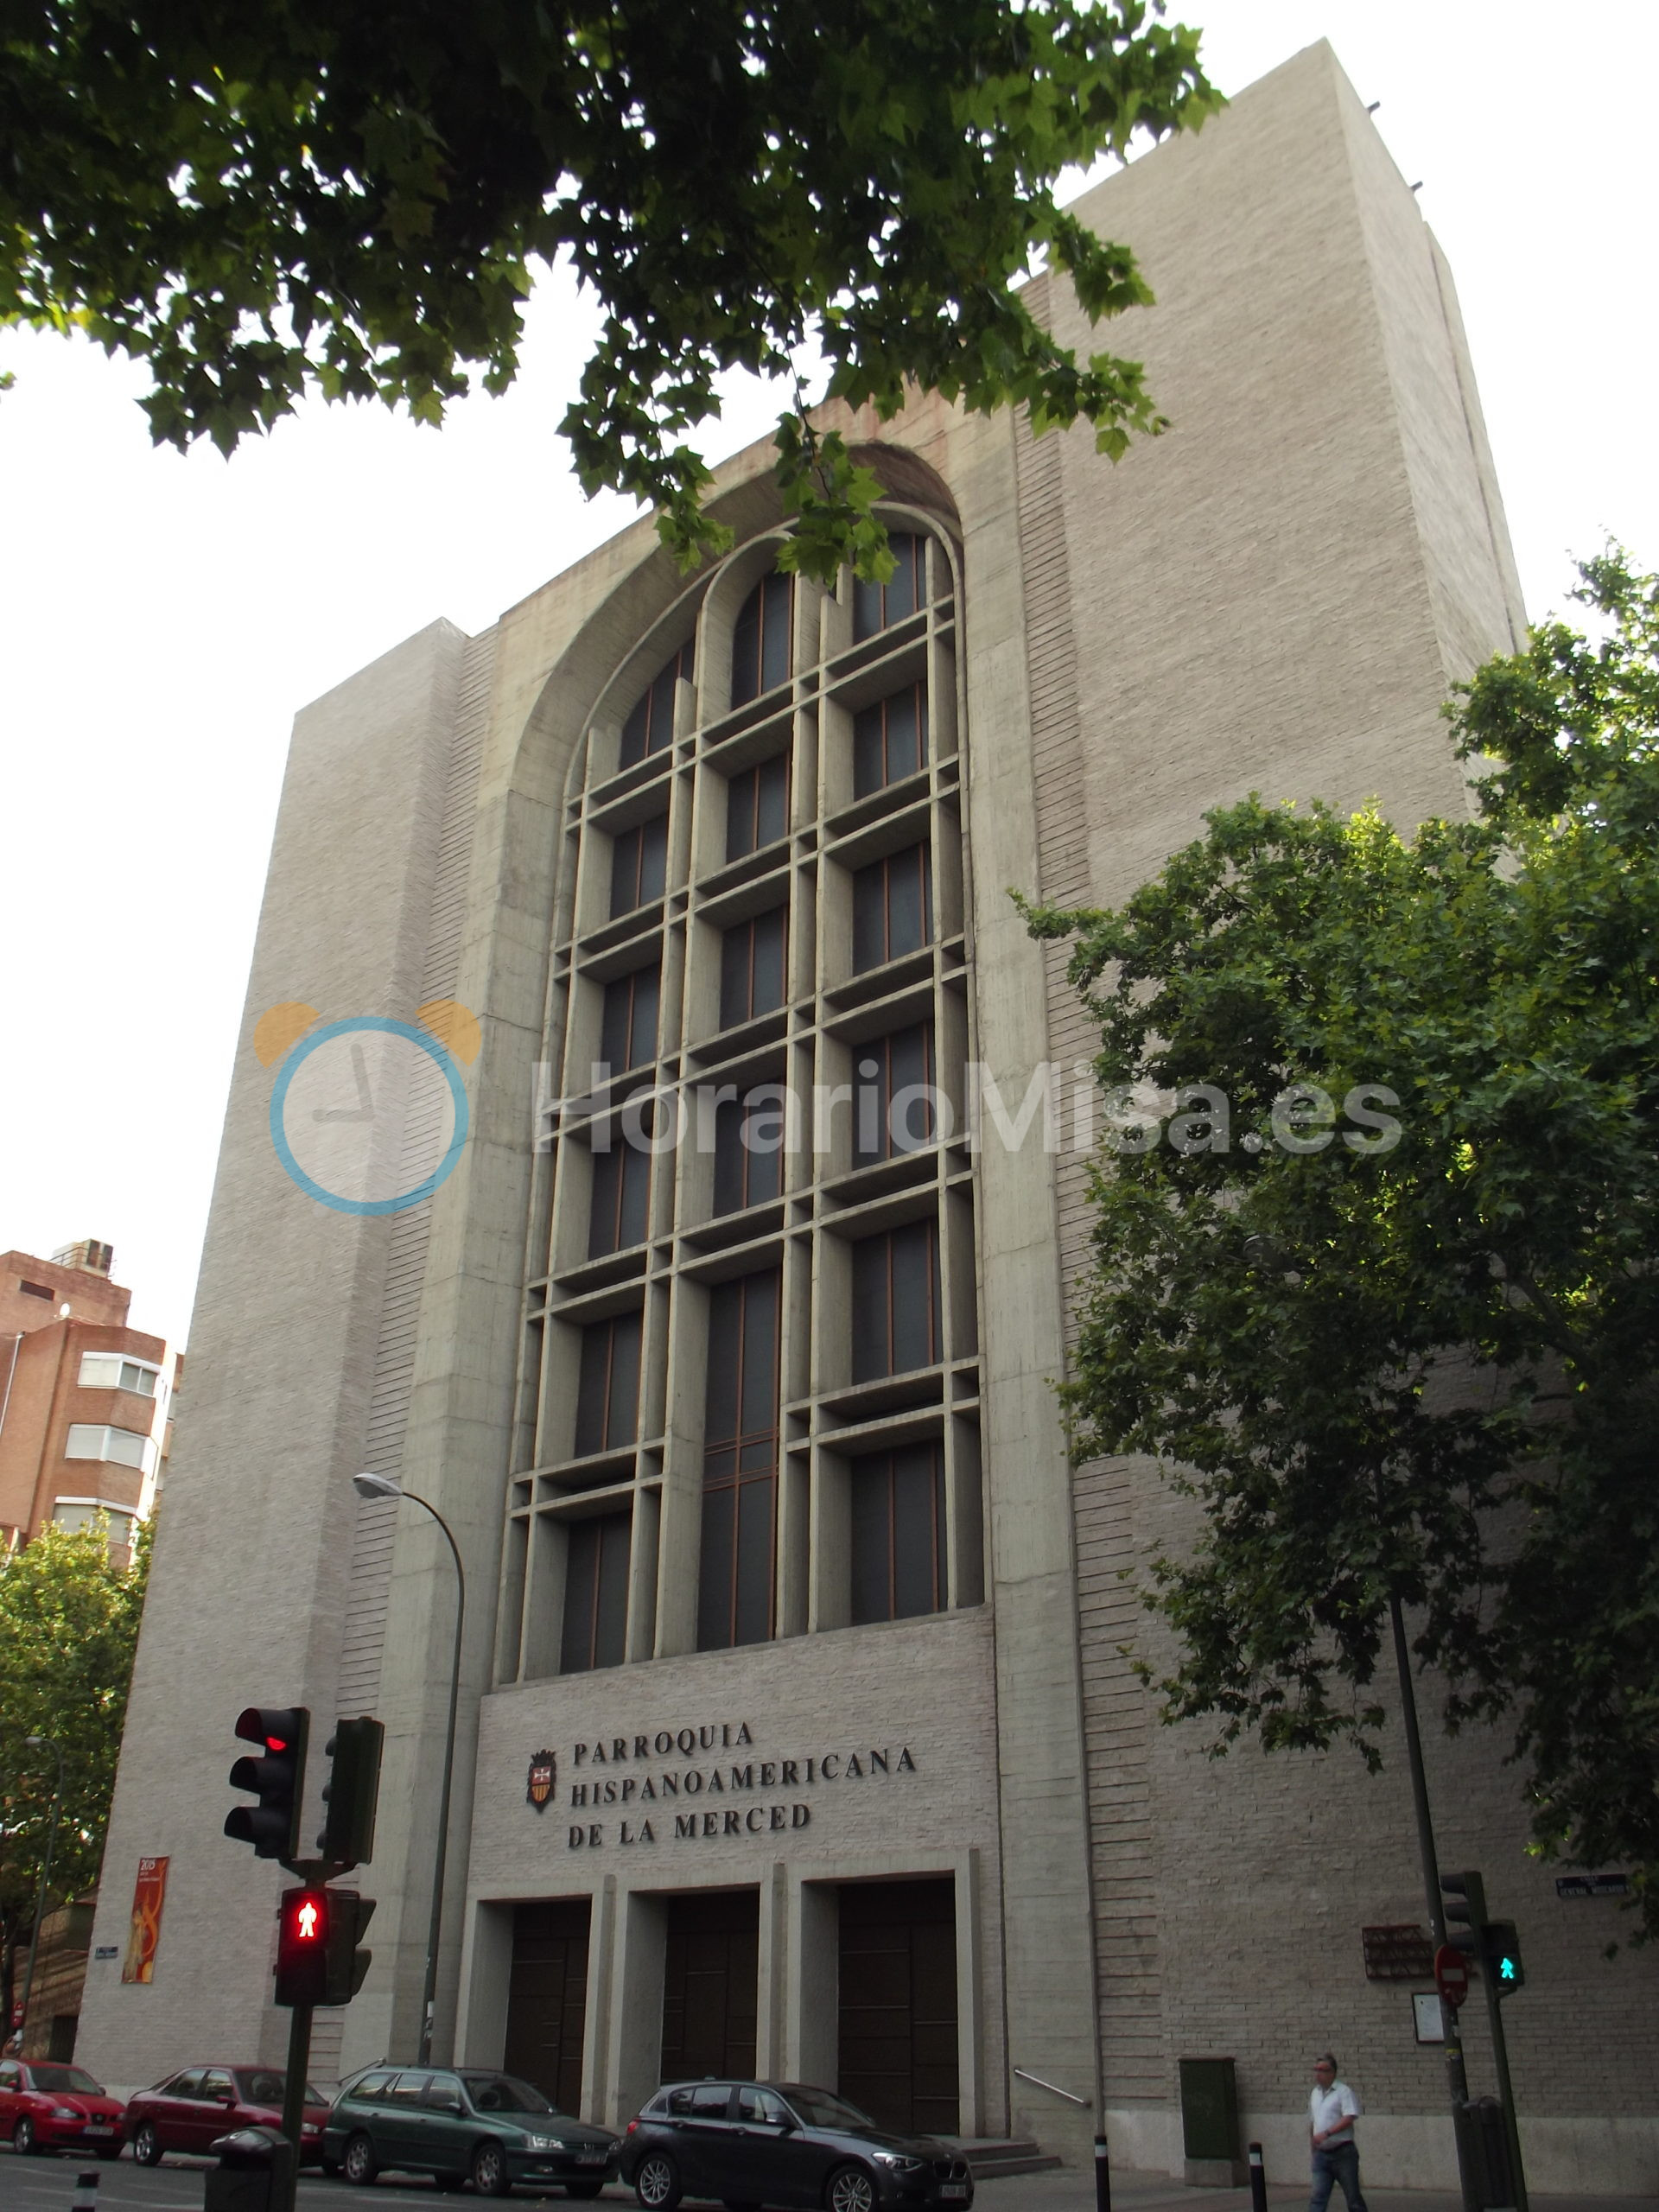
162 617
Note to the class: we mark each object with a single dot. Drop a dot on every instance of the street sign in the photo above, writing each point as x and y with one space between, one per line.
1450 1975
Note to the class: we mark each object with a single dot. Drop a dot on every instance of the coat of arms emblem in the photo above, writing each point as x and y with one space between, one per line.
543 1773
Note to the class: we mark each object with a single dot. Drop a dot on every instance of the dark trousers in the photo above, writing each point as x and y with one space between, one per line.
1336 2162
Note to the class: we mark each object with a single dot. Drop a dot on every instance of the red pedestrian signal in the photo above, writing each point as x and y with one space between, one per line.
303 1948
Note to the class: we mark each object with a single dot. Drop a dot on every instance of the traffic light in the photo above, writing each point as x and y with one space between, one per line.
1501 1955
348 1915
272 1826
302 1931
1466 1915
348 1838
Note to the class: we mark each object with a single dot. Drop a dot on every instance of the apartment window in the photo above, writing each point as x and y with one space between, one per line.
757 806
627 1037
749 1149
893 906
760 640
607 1395
893 1095
740 1465
889 739
82 1512
898 1517
36 1289
896 1301
105 1370
638 864
122 1448
651 725
622 1202
752 967
877 606
595 1594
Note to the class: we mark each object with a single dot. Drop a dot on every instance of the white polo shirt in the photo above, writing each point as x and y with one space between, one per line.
1333 2113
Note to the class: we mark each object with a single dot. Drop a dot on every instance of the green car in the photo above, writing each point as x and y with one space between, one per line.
461 2125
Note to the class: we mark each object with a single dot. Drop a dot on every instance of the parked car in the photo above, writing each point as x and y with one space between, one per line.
191 2110
459 2124
45 2106
781 2142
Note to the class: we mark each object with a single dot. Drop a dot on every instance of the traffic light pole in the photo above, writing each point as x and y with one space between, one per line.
1457 2077
1506 2093
299 2066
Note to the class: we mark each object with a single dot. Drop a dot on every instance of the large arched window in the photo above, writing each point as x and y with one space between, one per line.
750 1398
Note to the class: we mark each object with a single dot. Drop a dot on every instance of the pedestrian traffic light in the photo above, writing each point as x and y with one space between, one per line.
1502 1956
353 1786
1466 1915
302 1927
348 1915
272 1826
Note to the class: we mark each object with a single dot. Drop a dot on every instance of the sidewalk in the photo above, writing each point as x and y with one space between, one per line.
1074 2191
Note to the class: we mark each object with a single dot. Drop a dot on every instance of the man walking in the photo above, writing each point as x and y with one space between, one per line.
1332 2111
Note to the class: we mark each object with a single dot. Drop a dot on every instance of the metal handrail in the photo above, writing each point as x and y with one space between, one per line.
1053 2086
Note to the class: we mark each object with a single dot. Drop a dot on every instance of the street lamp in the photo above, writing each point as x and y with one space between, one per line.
38 1744
371 1485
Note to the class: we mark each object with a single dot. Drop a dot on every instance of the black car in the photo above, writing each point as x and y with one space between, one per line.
777 2142
462 2124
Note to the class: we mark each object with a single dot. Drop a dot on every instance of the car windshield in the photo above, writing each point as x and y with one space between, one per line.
505 2093
264 2085
819 2109
65 2081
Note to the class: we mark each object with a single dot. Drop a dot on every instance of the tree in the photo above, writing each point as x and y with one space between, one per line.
260 200
1414 1358
69 1621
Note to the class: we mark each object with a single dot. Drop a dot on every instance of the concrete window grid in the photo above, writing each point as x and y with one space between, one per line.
829 1201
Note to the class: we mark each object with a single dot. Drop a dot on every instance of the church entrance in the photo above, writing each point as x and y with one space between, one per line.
711 1966
547 1999
898 2012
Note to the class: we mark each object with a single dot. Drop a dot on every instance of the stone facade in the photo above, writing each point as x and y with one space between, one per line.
1273 596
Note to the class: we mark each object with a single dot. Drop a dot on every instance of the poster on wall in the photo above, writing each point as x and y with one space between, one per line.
148 1894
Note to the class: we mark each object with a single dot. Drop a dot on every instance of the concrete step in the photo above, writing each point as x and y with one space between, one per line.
990 2160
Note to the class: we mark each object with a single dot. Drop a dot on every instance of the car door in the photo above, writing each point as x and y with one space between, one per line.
212 2111
773 2162
448 2135
706 2132
11 2096
400 2136
168 2108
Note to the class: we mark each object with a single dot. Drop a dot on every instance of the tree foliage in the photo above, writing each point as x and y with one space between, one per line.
256 200
68 1629
1430 1366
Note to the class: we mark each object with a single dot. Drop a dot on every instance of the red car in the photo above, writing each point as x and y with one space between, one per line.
189 2111
48 2106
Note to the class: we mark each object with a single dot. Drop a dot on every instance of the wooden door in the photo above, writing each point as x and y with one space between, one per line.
898 2012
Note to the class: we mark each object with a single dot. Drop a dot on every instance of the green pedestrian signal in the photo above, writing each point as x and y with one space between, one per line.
1503 1955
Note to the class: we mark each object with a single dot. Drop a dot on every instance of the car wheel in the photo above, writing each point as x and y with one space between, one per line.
850 2189
22 2139
657 2183
147 2145
359 2165
490 2176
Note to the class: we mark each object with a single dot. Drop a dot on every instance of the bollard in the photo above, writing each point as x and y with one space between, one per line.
86 2197
1258 2180
1103 2176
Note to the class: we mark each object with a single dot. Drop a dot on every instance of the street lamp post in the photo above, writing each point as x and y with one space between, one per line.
42 1742
371 1485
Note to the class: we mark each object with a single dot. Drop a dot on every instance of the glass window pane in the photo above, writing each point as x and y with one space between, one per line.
915 1251
714 1569
730 1157
777 604
917 1528
99 1371
872 1535
581 1575
752 1621
759 1386
871 1310
610 1625
642 1032
763 1138
635 1211
906 903
769 940
85 1440
771 800
725 1325
870 917
622 1422
649 725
